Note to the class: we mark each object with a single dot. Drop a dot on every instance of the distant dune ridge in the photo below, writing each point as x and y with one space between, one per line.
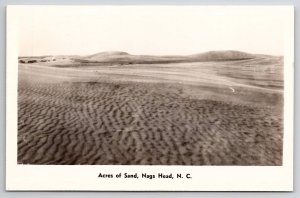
120 57
207 56
222 55
108 53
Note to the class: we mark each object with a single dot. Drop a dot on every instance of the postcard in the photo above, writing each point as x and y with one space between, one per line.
149 98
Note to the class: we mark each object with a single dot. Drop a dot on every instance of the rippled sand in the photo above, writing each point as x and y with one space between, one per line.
157 116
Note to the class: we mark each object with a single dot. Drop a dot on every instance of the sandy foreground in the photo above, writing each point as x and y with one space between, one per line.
205 113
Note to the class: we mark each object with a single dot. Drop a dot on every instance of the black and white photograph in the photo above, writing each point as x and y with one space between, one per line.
151 86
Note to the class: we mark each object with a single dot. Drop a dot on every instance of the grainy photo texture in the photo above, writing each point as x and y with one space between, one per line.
101 88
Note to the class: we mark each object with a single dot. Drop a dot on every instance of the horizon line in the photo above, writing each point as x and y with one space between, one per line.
203 52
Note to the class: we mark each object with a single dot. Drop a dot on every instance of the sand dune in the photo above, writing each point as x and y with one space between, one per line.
124 58
222 55
207 56
163 114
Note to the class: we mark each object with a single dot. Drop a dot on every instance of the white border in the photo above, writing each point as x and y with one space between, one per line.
205 178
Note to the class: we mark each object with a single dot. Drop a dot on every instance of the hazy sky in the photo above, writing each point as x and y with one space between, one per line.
149 30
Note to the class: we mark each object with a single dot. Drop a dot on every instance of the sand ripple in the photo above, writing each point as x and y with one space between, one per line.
111 123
